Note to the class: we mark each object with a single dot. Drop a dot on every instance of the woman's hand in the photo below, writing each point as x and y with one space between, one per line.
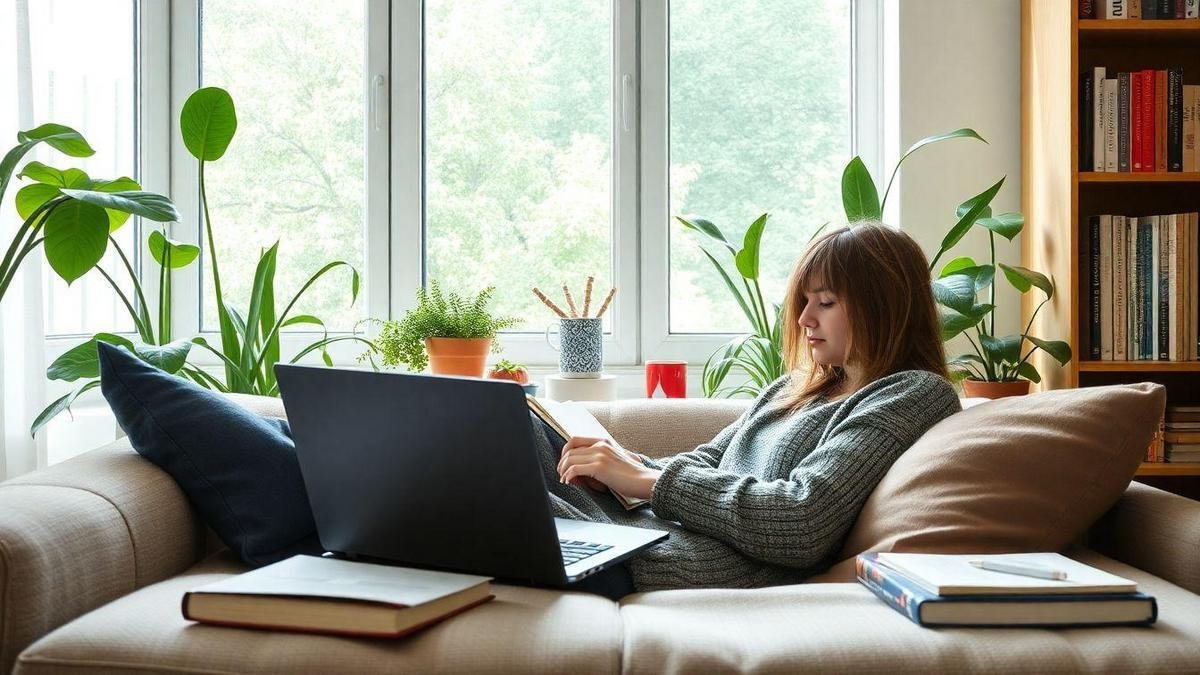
597 462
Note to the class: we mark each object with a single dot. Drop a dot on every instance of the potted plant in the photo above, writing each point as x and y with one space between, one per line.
508 370
444 331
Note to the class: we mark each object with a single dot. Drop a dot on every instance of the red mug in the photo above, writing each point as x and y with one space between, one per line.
666 379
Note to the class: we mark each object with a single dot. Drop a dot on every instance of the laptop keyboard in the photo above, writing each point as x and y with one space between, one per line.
574 551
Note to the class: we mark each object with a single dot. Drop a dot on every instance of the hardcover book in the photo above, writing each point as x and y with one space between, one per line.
338 597
1033 605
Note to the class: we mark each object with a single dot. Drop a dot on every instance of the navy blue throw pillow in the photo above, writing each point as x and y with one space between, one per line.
237 468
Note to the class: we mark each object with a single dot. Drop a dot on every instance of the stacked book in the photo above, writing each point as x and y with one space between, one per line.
1146 120
1139 9
1181 433
1144 290
1034 589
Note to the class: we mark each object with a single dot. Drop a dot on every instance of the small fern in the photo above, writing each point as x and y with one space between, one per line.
402 343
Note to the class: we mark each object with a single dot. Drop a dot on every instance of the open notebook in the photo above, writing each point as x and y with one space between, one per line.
570 418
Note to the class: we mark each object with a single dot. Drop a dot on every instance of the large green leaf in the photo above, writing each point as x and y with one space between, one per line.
971 210
43 174
956 291
1007 225
1027 371
62 138
1060 351
124 184
168 357
181 254
743 302
747 258
145 204
957 264
208 122
76 238
708 229
30 197
954 322
860 199
303 319
82 360
982 274
1024 279
1006 349
62 404
260 292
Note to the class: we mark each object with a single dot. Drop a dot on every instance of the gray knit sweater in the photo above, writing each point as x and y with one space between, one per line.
771 498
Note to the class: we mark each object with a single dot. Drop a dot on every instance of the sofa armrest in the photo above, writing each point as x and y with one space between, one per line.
82 533
1153 530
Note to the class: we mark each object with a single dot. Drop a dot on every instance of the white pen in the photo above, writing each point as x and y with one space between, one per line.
1023 569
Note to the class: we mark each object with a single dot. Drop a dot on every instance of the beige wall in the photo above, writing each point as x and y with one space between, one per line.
957 64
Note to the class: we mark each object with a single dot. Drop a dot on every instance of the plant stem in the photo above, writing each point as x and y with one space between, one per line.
137 287
992 288
12 272
137 321
43 211
987 363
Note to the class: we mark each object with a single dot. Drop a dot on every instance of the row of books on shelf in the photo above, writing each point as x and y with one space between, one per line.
1147 120
1144 287
1139 9
1178 436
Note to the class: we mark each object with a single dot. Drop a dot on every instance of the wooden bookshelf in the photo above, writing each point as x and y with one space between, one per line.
1058 196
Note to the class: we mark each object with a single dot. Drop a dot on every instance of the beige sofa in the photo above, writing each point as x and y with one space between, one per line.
96 552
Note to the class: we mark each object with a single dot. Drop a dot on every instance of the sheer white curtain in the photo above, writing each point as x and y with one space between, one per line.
22 383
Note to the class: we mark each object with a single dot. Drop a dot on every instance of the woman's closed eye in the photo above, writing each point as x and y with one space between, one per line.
826 304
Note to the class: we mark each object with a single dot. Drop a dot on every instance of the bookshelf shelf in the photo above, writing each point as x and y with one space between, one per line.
1132 177
1169 469
1103 32
1140 366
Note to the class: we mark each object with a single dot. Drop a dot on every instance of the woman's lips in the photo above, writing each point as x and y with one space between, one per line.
813 341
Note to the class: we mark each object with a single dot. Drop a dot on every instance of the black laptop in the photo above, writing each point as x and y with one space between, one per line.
438 472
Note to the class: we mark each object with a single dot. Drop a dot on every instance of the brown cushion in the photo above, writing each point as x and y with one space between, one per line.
1027 473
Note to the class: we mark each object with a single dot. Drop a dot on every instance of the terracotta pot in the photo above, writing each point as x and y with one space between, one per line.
458 356
980 389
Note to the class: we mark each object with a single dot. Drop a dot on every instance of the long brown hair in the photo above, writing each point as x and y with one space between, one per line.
881 277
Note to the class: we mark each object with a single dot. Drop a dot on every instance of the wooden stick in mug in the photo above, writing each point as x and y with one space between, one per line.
607 300
549 303
587 296
570 302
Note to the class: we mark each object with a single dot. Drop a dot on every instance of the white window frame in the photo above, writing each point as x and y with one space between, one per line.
658 342
394 143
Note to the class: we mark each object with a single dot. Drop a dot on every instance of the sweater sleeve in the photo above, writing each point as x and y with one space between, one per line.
709 454
799 521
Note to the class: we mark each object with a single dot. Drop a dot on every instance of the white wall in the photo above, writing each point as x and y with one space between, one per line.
957 63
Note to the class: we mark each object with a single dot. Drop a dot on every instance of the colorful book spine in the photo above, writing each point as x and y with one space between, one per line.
1120 246
1123 122
1162 237
1147 94
1106 288
1175 119
1135 121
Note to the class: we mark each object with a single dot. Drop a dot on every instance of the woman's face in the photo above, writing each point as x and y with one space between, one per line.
826 327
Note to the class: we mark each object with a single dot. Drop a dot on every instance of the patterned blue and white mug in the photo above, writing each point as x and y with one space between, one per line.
580 349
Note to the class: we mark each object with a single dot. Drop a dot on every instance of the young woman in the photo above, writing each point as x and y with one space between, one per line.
771 498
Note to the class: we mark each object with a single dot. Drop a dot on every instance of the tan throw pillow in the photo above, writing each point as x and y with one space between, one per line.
1027 473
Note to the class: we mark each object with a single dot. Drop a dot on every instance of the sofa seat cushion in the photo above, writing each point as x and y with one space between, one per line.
843 628
523 630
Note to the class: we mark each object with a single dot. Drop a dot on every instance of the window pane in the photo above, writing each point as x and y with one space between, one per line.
759 123
518 108
95 96
295 172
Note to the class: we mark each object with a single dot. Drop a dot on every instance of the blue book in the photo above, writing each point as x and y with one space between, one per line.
995 610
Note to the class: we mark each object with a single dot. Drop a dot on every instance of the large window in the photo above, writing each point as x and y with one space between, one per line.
515 143
518 169
760 122
295 172
81 80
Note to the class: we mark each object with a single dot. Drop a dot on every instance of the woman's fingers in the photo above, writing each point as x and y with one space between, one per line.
580 470
580 442
577 455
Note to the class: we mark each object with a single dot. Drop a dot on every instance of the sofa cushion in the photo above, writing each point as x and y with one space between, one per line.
238 469
523 630
843 628
1027 473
